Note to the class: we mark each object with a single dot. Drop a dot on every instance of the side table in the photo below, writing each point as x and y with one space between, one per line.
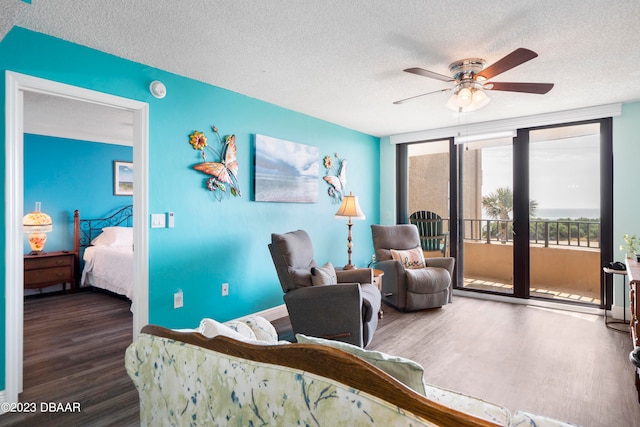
50 268
623 273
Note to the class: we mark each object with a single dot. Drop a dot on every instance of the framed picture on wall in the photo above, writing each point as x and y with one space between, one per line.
122 178
285 171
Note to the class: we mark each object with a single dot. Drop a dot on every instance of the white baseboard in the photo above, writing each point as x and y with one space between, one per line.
273 313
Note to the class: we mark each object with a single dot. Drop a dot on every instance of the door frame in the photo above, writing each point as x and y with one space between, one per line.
519 128
15 86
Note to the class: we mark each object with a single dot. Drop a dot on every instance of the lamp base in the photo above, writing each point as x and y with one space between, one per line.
349 267
37 253
37 242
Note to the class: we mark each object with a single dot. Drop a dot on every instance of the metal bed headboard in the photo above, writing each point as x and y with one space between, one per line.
85 230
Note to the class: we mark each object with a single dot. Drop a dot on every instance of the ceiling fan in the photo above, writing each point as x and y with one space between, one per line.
471 80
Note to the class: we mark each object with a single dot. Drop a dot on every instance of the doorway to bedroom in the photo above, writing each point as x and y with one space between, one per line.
21 90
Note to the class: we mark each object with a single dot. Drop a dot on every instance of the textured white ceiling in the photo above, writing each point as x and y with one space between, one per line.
342 61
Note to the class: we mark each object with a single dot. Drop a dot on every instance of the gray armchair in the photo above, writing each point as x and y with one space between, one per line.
410 288
345 311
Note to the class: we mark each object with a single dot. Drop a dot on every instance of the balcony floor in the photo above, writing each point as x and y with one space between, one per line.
538 291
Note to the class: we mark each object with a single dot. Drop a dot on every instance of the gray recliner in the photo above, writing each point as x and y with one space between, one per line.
410 289
346 311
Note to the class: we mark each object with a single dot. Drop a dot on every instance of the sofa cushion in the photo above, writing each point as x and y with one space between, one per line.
410 258
404 370
411 374
526 419
468 404
325 275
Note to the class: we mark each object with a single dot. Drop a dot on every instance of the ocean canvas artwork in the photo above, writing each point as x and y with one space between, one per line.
285 171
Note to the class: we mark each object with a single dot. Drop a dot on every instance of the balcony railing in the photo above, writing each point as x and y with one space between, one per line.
561 232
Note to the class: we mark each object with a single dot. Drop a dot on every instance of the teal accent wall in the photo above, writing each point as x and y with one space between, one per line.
67 174
212 242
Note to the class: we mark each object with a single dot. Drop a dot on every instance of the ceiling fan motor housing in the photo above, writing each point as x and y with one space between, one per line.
466 69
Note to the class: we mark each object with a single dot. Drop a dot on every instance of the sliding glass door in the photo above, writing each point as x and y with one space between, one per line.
487 215
529 215
564 223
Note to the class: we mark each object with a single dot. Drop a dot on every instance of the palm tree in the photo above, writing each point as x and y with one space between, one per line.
499 205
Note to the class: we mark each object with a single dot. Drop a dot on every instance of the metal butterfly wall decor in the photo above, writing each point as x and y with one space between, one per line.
336 177
223 174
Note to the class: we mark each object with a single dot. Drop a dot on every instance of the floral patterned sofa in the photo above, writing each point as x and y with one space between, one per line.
238 374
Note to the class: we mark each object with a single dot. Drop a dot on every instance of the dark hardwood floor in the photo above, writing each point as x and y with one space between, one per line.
561 364
74 352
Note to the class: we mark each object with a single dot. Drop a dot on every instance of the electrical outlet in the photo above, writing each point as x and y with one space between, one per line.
178 300
373 258
225 289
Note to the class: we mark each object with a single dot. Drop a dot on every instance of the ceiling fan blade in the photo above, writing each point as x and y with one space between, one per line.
431 74
515 58
539 88
402 101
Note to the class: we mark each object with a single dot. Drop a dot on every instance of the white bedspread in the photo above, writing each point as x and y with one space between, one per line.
110 268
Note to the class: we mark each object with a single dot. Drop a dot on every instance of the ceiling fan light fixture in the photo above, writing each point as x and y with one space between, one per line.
479 98
468 99
479 101
452 103
464 97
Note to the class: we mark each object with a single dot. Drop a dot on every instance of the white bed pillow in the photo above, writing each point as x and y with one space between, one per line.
114 236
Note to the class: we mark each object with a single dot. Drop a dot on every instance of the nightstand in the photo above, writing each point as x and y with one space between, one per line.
50 269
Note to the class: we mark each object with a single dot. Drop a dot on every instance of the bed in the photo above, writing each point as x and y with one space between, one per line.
104 248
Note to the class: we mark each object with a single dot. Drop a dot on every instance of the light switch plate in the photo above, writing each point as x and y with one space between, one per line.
158 220
170 217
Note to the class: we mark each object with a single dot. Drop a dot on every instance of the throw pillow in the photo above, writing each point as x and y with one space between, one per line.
410 258
236 330
404 370
261 327
325 275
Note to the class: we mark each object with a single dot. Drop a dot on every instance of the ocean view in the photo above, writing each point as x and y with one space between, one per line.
568 213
